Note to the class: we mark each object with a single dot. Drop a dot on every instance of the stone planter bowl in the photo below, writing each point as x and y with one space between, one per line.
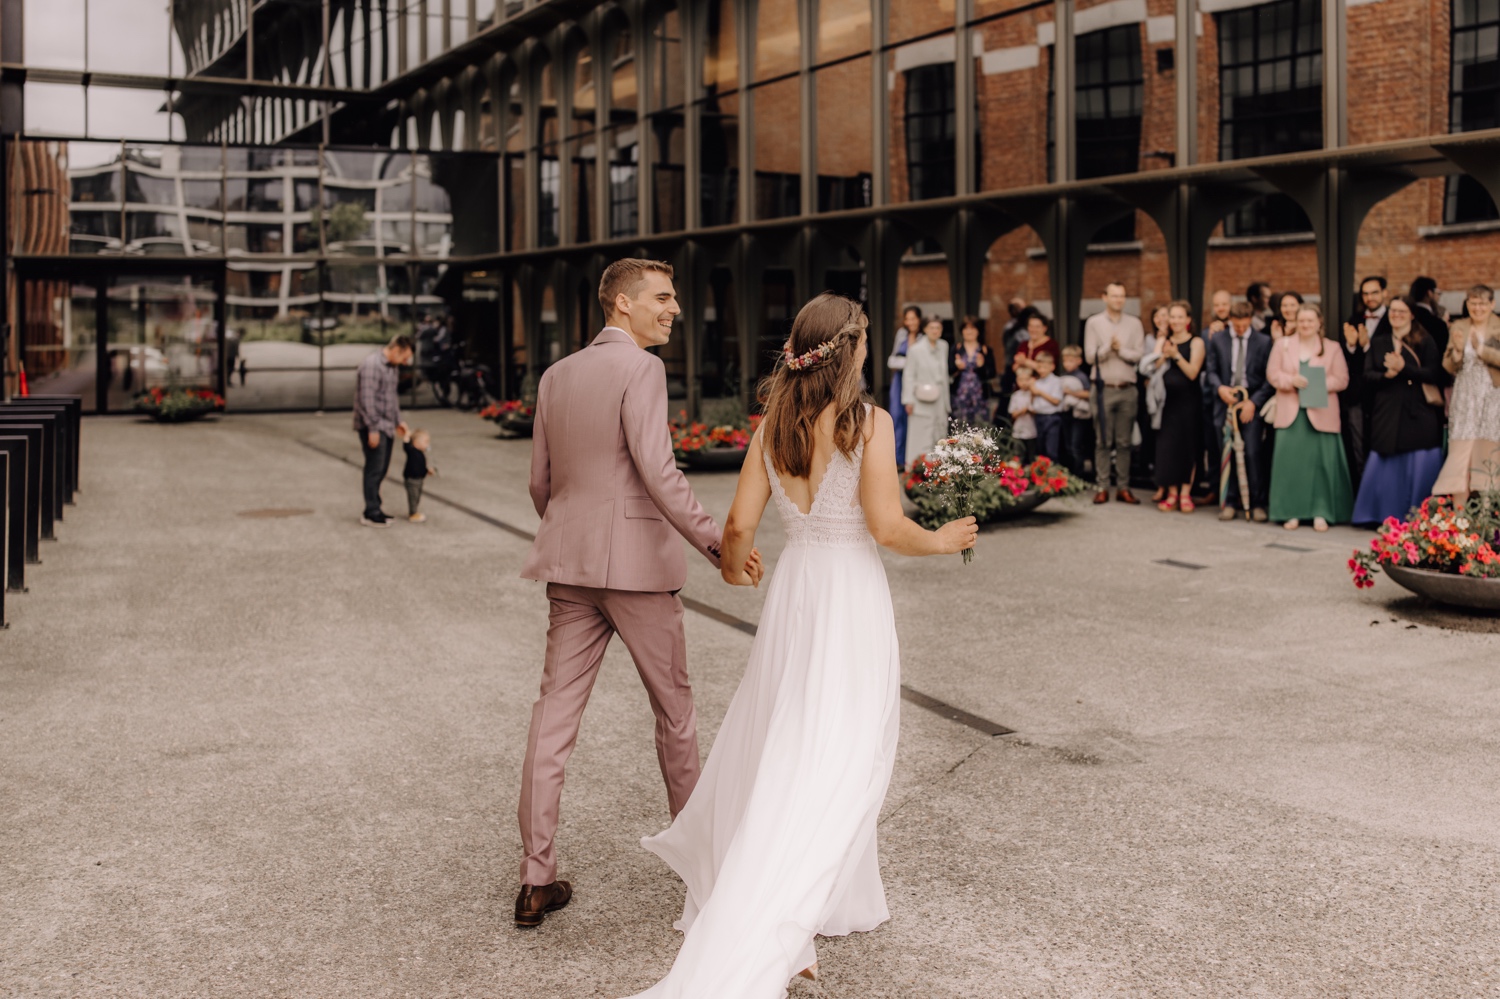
715 459
519 425
1448 588
1025 503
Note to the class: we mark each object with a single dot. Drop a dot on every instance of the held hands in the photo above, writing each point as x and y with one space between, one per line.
956 535
1227 395
1246 410
751 574
1394 364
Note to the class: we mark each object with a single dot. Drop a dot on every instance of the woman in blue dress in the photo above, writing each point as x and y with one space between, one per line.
909 330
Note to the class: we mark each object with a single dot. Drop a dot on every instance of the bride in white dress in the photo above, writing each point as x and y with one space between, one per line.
777 843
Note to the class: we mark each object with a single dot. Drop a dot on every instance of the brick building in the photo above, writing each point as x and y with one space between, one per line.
952 153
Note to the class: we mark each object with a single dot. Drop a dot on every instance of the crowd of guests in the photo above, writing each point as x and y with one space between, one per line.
1322 423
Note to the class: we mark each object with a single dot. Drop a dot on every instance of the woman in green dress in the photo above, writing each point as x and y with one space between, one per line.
1309 475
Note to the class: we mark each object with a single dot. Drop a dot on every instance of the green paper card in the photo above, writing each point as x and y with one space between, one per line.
1313 395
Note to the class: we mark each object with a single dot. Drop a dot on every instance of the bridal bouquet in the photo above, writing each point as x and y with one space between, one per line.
957 467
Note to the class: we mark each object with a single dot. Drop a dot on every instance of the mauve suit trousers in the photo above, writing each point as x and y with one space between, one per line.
614 509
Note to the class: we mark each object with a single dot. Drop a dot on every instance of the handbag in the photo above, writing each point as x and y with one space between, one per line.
928 392
1431 394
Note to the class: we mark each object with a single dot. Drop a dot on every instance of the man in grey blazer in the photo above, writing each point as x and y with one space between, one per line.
612 503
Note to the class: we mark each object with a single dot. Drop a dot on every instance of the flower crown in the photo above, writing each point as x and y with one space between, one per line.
824 351
816 357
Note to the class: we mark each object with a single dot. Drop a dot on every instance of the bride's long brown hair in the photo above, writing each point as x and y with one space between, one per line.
794 399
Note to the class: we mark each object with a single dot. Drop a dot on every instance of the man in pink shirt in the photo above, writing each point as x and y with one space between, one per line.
613 504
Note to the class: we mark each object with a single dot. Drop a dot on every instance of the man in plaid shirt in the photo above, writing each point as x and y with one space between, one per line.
377 418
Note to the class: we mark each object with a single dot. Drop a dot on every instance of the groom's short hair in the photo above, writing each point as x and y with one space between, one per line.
625 275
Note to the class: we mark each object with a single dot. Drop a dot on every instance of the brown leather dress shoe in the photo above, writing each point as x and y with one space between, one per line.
535 901
1126 496
1102 496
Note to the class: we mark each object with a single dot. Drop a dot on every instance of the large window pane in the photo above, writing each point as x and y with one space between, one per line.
778 149
132 114
666 57
367 198
55 109
844 135
718 159
131 36
54 33
272 346
59 334
446 180
669 174
922 109
721 58
1012 74
914 18
778 41
843 28
624 176
94 175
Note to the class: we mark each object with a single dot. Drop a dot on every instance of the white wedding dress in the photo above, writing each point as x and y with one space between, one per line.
777 842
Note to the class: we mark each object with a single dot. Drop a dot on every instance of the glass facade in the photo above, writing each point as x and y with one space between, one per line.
330 173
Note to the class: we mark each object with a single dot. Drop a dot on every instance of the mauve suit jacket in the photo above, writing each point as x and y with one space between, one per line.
603 476
1286 364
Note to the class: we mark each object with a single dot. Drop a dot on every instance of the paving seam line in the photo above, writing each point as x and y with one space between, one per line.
916 697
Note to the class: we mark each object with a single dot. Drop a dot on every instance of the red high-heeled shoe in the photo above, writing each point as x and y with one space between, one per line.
1167 505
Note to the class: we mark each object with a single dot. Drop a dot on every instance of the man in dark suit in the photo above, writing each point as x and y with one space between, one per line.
1235 380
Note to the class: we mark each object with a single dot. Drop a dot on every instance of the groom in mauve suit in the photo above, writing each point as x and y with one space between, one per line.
612 504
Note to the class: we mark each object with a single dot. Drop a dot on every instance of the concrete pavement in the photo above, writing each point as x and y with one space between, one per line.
278 755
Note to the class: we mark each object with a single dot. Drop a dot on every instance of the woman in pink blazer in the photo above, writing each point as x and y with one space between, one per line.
1309 475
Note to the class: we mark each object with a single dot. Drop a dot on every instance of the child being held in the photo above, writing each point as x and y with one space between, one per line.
416 445
1023 423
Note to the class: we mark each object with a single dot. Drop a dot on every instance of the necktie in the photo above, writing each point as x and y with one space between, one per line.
1237 375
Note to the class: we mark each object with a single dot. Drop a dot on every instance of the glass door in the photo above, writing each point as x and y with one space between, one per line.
160 333
59 337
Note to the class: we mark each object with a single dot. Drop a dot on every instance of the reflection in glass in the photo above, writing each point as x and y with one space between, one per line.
53 33
466 179
623 176
719 360
721 58
161 331
59 337
134 114
778 41
584 188
843 28
778 171
54 109
1012 90
845 149
666 57
718 160
128 36
669 173
272 325
910 20
928 125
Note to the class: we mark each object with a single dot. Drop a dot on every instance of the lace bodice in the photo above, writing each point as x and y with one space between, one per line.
835 519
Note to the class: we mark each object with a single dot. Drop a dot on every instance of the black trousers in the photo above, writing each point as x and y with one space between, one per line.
377 463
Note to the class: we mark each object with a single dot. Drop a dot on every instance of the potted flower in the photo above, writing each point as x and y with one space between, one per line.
175 404
1448 555
1017 487
708 448
513 416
